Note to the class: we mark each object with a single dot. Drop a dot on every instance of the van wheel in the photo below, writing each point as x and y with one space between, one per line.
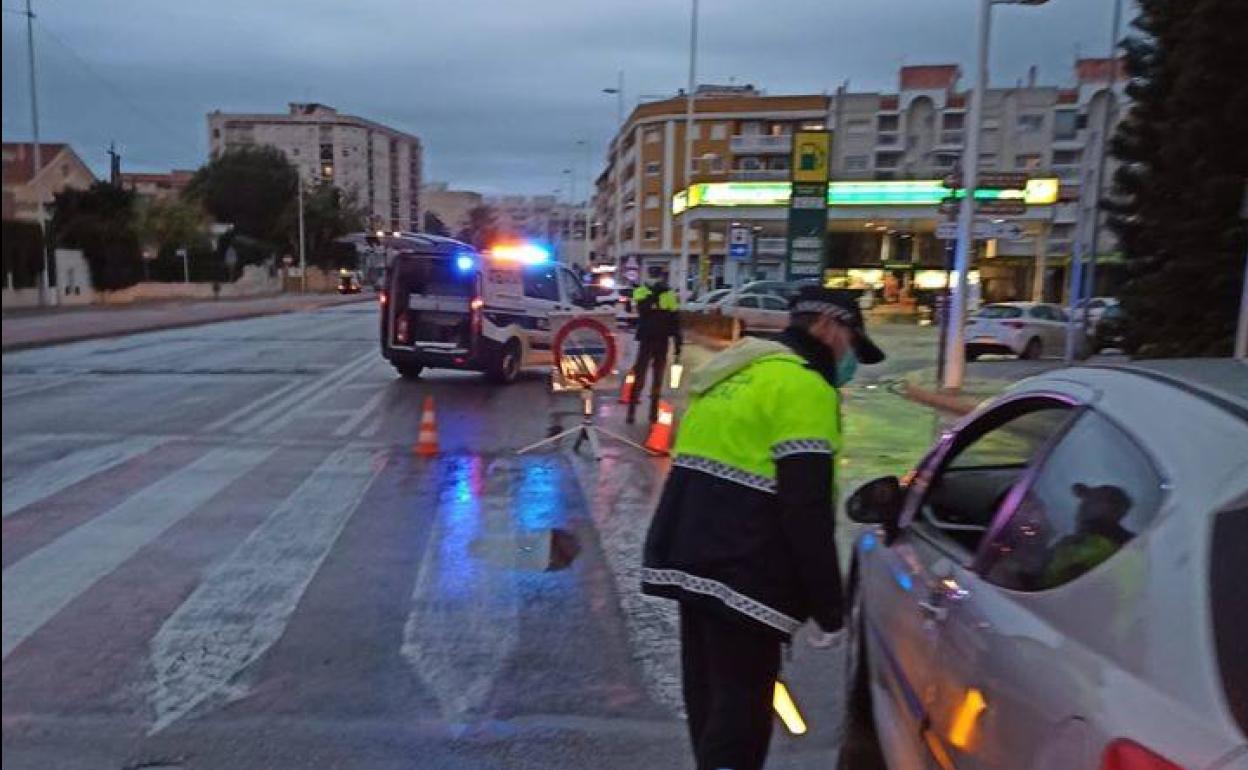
860 744
1032 350
506 366
409 371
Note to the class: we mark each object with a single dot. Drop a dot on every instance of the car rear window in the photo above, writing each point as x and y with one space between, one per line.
1000 311
434 277
1228 596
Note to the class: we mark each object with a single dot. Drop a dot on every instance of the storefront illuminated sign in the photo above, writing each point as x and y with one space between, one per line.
909 192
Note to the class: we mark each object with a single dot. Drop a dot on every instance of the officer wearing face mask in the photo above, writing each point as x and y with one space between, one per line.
743 535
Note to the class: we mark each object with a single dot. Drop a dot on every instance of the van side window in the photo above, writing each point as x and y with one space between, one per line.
542 283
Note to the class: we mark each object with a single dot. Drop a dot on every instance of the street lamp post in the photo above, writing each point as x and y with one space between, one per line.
36 155
955 342
682 277
617 223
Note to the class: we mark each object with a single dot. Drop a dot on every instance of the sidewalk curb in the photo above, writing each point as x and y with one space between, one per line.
947 402
15 347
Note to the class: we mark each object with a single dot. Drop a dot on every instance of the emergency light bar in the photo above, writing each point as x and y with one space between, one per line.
524 253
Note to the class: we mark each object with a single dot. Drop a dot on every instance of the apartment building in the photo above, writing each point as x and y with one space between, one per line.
905 142
452 207
379 165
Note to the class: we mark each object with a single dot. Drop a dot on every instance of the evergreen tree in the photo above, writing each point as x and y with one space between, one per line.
1176 197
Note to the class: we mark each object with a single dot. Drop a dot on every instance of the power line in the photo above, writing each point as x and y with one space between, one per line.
168 132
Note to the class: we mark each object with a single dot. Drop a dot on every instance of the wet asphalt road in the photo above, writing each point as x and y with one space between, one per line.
220 552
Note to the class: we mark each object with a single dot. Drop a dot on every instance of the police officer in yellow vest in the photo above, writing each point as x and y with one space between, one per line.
743 533
658 320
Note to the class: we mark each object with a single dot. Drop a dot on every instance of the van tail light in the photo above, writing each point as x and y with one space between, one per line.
476 306
403 330
1128 755
1013 324
381 297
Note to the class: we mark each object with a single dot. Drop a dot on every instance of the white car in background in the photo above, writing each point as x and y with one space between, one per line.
1060 583
1095 308
1025 329
767 313
708 300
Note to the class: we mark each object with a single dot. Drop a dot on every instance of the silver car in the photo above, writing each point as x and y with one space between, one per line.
1062 583
1025 329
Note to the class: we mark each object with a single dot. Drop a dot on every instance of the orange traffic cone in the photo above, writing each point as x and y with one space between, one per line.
626 390
427 443
660 438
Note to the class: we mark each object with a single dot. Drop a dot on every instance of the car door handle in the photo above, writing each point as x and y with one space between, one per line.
933 612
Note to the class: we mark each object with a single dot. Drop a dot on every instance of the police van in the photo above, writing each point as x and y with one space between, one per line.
447 306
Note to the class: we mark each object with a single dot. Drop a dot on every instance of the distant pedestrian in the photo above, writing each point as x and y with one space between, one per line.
743 536
658 321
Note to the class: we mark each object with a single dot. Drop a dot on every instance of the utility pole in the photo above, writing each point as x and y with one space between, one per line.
955 345
1103 150
303 257
682 277
114 165
36 154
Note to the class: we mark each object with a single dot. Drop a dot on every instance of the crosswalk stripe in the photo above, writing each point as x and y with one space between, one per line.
40 585
358 416
48 479
461 629
251 407
243 606
290 401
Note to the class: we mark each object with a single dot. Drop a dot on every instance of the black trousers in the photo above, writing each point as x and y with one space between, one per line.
651 355
729 673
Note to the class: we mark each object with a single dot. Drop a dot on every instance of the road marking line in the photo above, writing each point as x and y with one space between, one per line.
239 414
300 403
373 427
360 414
461 629
48 479
293 399
244 604
19 443
40 585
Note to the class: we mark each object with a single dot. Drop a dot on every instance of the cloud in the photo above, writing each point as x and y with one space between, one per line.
499 90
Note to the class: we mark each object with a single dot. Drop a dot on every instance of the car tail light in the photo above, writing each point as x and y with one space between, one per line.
1128 755
1013 324
381 297
403 330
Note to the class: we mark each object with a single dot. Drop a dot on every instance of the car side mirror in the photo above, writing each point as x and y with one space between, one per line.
877 502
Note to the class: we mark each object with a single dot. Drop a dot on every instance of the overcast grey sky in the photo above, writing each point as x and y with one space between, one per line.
498 90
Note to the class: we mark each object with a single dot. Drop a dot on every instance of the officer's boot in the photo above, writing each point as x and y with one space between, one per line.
654 407
632 411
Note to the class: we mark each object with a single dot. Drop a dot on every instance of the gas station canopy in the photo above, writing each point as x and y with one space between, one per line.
909 192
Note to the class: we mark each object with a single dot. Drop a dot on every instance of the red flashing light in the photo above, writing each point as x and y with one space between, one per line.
381 297
477 303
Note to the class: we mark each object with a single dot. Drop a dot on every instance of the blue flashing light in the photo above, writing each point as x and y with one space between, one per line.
465 263
527 253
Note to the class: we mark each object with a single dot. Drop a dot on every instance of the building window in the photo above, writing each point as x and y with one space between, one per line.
650 234
887 160
719 131
857 126
889 122
216 133
778 163
653 136
1065 124
1067 157
856 162
988 159
652 201
945 159
1030 162
751 128
749 164
653 168
1030 123
953 121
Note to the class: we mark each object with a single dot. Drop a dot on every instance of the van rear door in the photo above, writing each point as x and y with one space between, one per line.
431 305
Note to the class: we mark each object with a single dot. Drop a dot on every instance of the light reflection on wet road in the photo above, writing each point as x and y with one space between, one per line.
476 610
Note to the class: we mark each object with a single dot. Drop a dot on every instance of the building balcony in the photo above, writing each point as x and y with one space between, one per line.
744 144
951 138
760 175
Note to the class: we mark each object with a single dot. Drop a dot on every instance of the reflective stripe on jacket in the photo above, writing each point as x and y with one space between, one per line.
745 522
